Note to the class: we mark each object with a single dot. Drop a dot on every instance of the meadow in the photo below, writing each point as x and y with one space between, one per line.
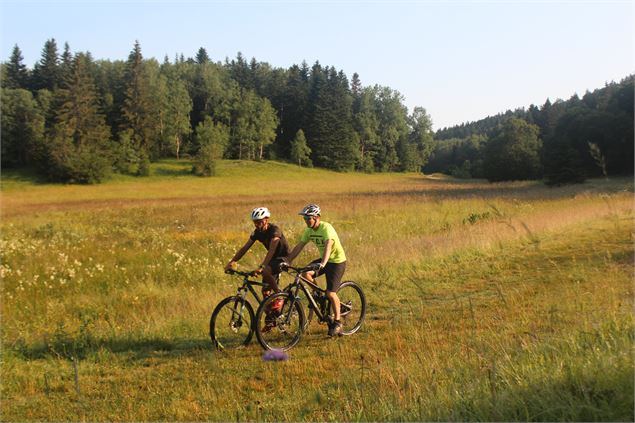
486 302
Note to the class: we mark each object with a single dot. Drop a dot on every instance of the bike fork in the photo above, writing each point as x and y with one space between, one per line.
242 296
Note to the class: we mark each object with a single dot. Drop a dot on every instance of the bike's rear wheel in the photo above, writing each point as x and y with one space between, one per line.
232 323
352 307
279 322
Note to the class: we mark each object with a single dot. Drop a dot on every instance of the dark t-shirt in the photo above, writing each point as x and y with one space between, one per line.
265 238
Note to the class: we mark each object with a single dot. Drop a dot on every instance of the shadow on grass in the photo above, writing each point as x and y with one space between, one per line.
604 394
136 349
173 171
440 189
29 176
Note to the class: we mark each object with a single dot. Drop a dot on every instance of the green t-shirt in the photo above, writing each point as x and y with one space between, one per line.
319 236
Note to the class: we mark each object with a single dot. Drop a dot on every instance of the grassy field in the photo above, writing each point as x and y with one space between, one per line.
487 302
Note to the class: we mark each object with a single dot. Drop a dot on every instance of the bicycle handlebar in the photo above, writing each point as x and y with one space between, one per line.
286 267
243 274
283 266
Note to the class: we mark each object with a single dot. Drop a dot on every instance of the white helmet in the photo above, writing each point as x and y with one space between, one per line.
310 210
260 213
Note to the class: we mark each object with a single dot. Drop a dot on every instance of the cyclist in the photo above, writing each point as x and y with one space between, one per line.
333 260
273 239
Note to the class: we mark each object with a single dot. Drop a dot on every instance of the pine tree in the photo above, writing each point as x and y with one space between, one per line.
563 164
239 71
201 56
356 86
46 73
137 107
293 108
66 63
330 130
78 146
17 75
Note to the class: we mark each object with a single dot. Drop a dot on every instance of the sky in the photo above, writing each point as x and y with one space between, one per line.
460 60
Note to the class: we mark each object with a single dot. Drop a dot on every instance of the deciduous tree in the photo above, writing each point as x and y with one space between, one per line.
514 153
212 139
300 151
22 128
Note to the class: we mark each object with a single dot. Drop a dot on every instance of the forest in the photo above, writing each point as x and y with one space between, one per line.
570 140
74 119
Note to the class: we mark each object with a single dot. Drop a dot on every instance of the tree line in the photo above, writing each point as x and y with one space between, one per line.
76 119
560 142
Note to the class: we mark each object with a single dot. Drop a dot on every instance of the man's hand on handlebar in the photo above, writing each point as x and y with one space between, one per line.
231 266
230 271
315 267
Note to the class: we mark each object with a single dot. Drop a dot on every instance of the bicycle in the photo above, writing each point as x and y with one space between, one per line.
284 330
232 322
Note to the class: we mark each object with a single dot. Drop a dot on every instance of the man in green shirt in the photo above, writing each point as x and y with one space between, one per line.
333 260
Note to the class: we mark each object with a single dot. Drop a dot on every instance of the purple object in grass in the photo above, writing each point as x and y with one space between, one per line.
273 355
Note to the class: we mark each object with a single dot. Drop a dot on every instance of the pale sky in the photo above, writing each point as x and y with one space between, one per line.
460 60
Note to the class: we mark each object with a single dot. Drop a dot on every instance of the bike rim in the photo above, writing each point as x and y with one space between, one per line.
232 326
352 308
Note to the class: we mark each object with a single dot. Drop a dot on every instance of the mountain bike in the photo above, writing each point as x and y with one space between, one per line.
283 330
232 322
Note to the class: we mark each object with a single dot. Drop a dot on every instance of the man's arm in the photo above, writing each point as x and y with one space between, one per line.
327 252
240 253
273 246
296 250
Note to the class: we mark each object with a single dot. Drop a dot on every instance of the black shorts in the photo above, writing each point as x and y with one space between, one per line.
275 264
334 273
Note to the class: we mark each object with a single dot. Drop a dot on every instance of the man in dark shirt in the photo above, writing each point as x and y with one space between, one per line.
274 241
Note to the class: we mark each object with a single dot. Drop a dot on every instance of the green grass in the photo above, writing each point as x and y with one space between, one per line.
488 302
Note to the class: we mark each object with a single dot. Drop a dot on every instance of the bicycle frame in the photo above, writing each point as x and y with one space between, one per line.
248 286
299 284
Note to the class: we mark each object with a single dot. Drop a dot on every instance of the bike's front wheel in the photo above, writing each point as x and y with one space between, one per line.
232 323
352 307
307 316
279 322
